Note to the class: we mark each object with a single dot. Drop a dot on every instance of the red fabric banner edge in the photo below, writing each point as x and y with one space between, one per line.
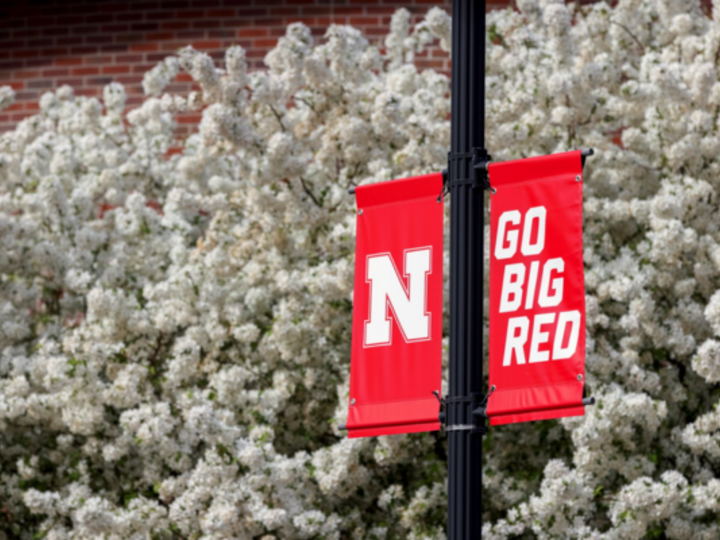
356 433
394 413
402 189
560 395
547 414
562 164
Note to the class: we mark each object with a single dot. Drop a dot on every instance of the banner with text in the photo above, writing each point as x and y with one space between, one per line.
396 357
537 289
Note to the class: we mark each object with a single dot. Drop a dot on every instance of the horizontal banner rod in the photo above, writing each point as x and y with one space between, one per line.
482 411
584 152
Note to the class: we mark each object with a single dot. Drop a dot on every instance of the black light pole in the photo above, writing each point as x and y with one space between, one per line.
466 175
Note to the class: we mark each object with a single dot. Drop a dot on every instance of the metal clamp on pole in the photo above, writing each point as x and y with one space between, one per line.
476 176
481 160
584 153
459 414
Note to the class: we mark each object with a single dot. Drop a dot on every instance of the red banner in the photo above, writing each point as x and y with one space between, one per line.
396 358
537 292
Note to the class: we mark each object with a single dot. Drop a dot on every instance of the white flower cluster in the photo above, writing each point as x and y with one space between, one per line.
175 315
639 83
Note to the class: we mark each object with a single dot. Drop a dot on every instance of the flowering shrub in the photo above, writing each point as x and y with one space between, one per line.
175 325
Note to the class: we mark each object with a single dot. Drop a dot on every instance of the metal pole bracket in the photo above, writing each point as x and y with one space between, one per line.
480 162
463 412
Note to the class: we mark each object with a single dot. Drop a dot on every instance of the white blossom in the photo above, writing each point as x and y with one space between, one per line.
175 315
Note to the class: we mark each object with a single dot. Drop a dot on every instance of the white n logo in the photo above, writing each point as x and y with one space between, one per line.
388 292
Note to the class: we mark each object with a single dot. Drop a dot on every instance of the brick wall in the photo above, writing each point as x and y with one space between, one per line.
89 43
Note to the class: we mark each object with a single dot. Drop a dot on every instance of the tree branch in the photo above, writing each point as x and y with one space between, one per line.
633 36
309 192
306 102
279 118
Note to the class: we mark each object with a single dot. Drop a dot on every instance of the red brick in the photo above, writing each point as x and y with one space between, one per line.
25 33
27 74
220 13
284 11
204 23
309 21
189 35
115 69
99 40
68 61
83 50
76 40
206 44
86 71
252 12
139 47
115 48
142 68
114 7
265 42
89 92
128 58
100 19
129 79
155 57
171 45
40 21
19 116
144 27
190 14
55 31
39 43
86 43
159 36
221 34
25 54
129 17
270 22
252 32
114 28
55 72
70 20
364 21
38 83
175 25
327 21
189 119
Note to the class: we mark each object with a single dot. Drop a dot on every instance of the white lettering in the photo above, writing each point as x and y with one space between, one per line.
388 292
560 352
532 282
538 338
536 213
512 287
545 299
503 251
516 342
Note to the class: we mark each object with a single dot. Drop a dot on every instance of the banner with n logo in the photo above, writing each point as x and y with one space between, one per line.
397 308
